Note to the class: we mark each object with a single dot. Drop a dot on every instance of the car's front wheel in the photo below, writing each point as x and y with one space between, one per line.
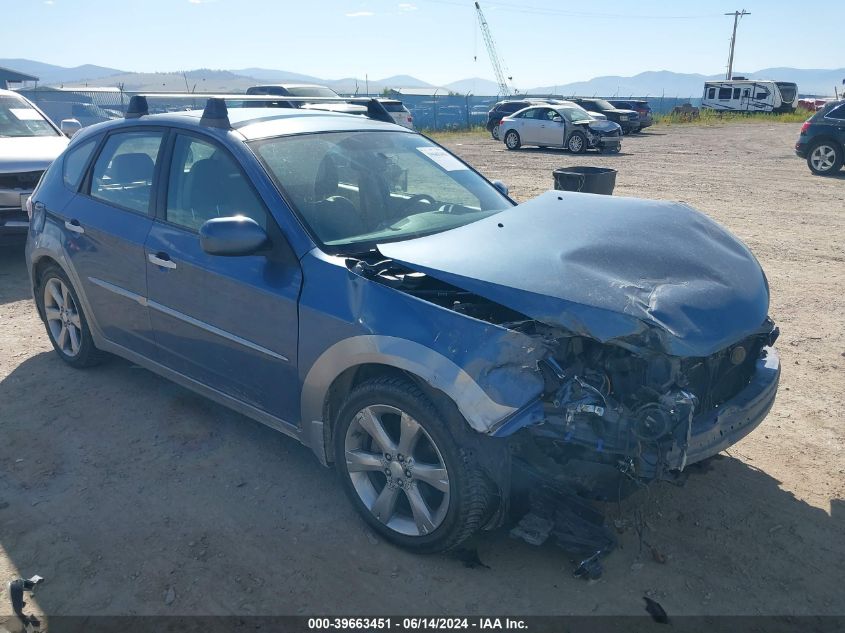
825 158
404 471
512 140
577 143
66 324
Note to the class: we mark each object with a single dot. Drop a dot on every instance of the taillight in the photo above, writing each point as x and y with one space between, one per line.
29 207
805 127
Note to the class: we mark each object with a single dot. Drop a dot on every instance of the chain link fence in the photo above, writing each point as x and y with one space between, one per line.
430 112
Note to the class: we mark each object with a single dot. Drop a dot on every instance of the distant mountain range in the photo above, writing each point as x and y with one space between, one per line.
651 83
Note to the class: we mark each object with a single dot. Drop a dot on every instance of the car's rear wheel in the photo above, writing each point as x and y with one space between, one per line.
825 158
65 320
577 143
512 140
404 471
495 132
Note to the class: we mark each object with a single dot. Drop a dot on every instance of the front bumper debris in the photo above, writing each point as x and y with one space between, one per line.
590 460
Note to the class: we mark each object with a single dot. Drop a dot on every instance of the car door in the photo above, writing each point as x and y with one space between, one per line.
106 225
551 131
229 323
529 127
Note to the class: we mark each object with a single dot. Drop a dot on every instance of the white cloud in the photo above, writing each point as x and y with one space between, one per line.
360 14
407 6
49 2
200 1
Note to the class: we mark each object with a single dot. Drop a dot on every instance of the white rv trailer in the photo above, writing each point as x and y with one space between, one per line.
748 95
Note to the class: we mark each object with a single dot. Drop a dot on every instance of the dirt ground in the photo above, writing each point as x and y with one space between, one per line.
130 495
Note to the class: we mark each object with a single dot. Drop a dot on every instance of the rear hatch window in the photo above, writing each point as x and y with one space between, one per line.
393 106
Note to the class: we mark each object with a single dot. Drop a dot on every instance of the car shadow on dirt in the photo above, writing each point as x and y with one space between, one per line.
129 494
14 282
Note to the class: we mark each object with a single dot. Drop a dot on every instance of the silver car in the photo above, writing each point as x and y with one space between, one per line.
29 142
559 125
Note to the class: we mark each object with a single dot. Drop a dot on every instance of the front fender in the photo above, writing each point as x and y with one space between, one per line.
480 410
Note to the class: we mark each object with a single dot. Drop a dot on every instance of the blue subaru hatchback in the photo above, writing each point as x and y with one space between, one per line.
354 285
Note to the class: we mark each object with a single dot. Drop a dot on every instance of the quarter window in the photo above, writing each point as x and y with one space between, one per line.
74 163
123 173
837 113
205 183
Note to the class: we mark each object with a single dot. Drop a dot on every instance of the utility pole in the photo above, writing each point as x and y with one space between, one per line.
737 15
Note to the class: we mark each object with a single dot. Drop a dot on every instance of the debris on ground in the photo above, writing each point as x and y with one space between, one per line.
469 557
657 612
533 529
16 589
576 525
169 596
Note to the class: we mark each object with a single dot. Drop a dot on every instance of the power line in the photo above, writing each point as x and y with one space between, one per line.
537 10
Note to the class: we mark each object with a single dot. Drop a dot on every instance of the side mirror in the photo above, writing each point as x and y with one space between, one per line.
69 127
502 187
558 119
232 236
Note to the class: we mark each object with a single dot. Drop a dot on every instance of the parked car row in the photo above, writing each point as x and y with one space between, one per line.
632 115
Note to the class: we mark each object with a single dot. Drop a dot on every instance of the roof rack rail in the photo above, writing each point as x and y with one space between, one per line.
216 113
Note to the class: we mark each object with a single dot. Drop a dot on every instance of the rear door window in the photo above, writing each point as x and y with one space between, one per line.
123 173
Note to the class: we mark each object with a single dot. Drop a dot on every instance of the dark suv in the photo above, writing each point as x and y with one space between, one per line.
640 106
628 120
822 139
330 276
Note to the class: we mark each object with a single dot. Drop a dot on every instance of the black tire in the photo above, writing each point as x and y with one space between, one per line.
825 167
512 140
87 355
494 132
577 143
469 497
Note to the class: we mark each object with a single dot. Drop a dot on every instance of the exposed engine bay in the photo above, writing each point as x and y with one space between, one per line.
606 409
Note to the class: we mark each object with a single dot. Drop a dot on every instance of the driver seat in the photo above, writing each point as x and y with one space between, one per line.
333 216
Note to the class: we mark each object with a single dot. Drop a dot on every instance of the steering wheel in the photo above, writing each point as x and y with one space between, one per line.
416 198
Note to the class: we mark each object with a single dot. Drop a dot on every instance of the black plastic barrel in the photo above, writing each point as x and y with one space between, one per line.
585 179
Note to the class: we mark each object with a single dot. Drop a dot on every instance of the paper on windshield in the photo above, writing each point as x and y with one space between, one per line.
25 114
442 158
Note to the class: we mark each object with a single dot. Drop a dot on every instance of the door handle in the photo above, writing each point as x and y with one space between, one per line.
72 225
161 259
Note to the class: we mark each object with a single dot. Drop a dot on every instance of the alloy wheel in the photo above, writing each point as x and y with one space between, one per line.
397 470
823 158
575 144
62 317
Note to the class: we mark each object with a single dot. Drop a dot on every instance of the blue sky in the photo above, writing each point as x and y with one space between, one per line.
541 41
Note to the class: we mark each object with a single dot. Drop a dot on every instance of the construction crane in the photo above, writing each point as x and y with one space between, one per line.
501 79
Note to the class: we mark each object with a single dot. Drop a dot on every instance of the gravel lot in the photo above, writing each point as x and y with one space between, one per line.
130 495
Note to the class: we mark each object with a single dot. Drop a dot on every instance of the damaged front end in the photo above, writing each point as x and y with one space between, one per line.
611 415
611 419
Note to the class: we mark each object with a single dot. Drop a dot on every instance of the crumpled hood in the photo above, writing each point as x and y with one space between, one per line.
603 127
646 273
29 153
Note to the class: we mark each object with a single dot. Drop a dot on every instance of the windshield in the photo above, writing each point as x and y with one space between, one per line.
357 189
19 118
601 104
575 115
311 91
